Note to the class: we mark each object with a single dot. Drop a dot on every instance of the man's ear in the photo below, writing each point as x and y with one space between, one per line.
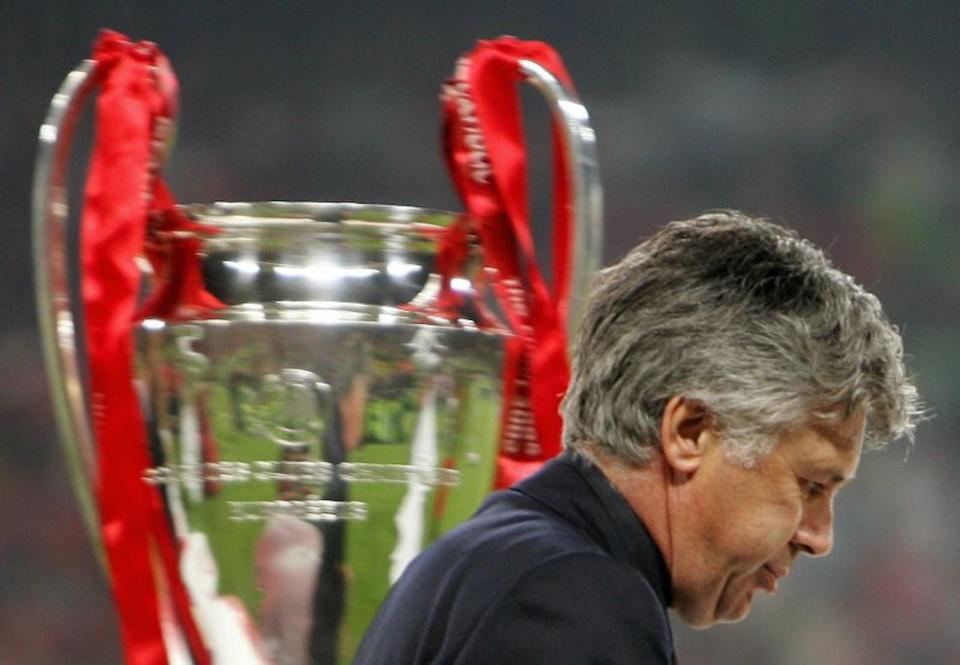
685 434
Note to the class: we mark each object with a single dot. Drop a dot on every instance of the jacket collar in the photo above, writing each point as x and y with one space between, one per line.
578 490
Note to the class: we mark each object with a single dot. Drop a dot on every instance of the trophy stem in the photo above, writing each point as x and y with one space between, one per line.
55 312
579 145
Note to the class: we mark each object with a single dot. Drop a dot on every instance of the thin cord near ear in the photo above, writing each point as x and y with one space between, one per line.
667 513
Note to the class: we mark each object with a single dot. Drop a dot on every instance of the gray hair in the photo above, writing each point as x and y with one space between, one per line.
744 317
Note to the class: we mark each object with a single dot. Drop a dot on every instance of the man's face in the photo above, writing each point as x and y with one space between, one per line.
746 526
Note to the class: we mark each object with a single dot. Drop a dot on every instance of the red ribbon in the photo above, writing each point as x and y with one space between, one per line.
134 114
486 155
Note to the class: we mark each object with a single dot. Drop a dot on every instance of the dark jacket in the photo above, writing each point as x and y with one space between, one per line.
558 569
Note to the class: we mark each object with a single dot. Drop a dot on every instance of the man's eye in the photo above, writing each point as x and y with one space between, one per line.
813 488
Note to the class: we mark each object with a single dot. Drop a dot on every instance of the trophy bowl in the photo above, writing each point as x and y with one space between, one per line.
316 432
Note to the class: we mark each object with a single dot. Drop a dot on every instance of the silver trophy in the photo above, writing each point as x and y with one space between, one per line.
321 429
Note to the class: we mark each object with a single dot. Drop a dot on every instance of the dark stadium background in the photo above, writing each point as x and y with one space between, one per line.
837 118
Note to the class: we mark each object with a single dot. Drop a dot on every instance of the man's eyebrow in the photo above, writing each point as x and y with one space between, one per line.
837 477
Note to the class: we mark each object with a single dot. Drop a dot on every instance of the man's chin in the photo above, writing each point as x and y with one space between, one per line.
736 611
726 610
709 622
707 619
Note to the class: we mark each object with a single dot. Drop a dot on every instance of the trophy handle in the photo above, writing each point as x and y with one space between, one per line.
579 146
57 323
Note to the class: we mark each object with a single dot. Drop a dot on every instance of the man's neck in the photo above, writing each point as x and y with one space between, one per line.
646 490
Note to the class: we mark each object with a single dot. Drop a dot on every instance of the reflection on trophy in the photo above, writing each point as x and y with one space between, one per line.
321 425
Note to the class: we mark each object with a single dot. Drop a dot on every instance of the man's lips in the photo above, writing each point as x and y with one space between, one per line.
771 575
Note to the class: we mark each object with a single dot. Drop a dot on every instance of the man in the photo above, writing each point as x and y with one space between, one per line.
725 380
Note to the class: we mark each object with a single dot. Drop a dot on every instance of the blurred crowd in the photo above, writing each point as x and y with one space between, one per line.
840 122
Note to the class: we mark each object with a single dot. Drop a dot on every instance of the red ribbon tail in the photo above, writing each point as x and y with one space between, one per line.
486 155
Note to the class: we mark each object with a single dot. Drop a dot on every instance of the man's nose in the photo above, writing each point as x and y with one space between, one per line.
815 533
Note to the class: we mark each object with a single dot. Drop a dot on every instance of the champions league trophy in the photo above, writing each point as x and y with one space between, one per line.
334 402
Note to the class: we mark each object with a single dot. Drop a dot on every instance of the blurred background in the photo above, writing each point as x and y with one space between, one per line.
839 119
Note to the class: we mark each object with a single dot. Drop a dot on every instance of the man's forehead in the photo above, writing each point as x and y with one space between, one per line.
834 448
846 434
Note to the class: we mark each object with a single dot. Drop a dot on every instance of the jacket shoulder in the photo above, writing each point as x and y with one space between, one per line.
573 608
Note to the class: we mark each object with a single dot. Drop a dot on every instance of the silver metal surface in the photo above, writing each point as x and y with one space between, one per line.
329 419
51 261
580 152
